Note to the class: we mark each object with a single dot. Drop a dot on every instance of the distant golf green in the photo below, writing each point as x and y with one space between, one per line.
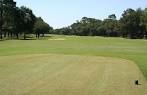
71 65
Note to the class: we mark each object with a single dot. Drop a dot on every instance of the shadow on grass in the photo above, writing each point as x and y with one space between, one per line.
2 40
28 37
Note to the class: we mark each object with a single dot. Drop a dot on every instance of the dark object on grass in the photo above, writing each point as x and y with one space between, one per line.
137 82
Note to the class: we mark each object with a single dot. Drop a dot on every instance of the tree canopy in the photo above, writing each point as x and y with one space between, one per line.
132 24
18 22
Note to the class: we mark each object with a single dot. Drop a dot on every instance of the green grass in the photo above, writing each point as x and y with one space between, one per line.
71 65
55 74
135 50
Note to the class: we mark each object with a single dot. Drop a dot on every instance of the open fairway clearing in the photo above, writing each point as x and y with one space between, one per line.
52 74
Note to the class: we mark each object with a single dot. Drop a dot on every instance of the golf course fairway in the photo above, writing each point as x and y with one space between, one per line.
58 74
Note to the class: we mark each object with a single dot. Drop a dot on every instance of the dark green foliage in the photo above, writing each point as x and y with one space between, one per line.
17 21
91 27
41 27
28 20
132 24
7 16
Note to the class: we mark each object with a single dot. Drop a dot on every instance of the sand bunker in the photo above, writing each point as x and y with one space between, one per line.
57 39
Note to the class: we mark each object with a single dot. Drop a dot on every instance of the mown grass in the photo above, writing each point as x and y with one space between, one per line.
135 50
57 74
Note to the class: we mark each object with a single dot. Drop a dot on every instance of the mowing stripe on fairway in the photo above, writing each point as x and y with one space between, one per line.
52 74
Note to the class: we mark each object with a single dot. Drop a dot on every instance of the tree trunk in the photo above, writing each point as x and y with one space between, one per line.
24 36
17 36
11 34
36 35
43 35
5 34
8 34
1 34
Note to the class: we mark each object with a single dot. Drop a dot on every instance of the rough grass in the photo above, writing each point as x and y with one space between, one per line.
52 74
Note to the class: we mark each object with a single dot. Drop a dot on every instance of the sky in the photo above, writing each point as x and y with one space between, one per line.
62 13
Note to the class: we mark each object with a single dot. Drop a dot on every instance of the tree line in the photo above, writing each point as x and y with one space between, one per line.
132 24
20 21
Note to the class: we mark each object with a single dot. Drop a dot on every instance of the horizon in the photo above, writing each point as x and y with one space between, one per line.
63 13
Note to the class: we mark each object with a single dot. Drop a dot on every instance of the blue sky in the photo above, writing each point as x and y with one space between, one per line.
60 13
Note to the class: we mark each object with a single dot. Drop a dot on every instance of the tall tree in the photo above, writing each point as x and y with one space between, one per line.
1 18
28 20
41 27
8 16
111 26
144 20
131 24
